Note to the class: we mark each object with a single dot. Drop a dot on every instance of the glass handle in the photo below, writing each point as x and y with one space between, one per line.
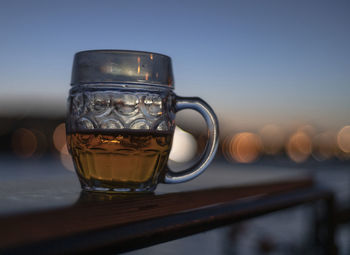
207 156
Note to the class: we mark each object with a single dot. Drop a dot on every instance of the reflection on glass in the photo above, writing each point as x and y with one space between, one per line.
138 65
184 146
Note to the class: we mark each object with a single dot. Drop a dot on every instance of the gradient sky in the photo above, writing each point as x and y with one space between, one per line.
255 62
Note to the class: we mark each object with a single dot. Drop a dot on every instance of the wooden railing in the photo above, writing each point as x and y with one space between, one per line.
111 224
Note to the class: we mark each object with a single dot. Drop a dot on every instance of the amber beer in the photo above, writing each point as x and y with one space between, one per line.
122 159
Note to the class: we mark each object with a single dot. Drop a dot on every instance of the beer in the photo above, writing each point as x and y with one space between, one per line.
118 160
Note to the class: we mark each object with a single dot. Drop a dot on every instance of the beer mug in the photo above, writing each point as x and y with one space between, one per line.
121 121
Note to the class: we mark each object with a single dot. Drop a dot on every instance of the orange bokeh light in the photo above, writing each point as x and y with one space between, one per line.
59 141
24 143
299 147
244 147
66 159
307 129
59 136
225 147
343 139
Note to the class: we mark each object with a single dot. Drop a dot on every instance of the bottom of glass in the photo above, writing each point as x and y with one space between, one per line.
107 186
117 189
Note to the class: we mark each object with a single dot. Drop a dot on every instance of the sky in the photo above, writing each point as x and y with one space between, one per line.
254 62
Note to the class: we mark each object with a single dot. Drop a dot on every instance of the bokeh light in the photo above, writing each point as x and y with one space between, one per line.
343 139
24 142
244 147
42 143
307 129
225 147
272 138
324 146
59 141
66 159
59 136
299 146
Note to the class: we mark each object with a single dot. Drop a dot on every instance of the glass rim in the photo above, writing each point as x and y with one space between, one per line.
122 66
123 51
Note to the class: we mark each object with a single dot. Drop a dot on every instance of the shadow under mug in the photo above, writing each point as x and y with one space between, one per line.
121 121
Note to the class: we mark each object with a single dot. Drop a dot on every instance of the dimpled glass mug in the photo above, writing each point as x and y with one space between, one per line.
121 121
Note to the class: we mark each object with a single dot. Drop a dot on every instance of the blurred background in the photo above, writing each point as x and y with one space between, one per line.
275 72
